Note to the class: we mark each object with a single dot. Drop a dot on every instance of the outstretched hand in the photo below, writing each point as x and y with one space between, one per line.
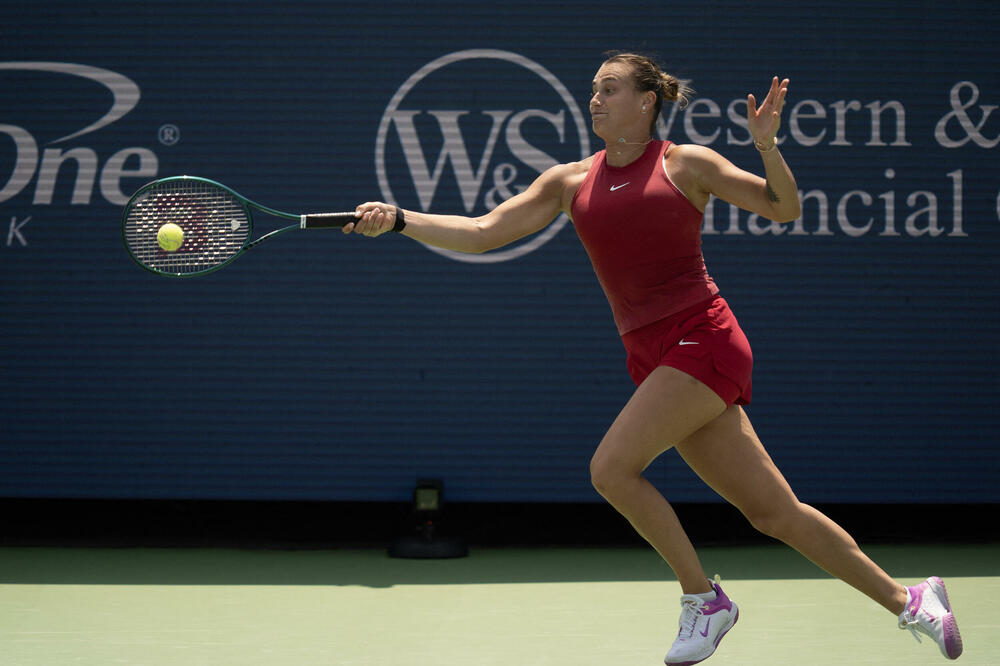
764 121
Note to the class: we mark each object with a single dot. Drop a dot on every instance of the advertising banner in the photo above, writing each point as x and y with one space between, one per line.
332 367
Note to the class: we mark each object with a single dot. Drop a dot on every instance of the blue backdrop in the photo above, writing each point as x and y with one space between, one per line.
330 367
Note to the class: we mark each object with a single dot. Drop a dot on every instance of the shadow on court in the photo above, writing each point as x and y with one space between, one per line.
373 568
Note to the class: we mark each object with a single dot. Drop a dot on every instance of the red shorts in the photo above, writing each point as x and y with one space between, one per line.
704 341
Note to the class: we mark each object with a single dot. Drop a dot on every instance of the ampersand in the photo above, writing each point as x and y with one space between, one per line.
972 131
503 175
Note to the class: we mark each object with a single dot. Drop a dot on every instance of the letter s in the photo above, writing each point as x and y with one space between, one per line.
523 150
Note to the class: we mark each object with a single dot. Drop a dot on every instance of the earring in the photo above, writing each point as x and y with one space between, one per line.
644 109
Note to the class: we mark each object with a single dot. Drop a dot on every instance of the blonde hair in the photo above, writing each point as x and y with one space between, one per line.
649 77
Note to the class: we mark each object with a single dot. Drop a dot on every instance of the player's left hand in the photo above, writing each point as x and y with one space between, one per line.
764 121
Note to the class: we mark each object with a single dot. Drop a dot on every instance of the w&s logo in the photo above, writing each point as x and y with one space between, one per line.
473 128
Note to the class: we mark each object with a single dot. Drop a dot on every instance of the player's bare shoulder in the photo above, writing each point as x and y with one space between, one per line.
689 152
568 178
580 169
688 166
692 157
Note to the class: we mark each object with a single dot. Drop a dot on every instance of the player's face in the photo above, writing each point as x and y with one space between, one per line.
616 104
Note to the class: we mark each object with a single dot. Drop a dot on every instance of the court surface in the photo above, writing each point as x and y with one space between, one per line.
551 606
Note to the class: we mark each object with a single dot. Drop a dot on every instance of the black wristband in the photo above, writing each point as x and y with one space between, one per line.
400 222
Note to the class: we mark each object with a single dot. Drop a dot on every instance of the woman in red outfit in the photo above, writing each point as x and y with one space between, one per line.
637 206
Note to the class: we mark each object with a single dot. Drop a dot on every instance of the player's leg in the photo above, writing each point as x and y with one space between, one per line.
730 458
666 409
727 454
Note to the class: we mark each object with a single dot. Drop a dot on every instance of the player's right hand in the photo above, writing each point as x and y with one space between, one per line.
374 219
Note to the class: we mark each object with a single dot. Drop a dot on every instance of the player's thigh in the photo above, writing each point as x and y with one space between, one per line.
729 457
665 409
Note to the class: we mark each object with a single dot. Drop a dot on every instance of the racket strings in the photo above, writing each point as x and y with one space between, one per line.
215 225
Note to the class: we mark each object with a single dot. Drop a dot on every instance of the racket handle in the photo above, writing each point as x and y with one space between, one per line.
326 220
337 220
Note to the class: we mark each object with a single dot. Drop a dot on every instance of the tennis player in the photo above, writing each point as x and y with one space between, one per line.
637 207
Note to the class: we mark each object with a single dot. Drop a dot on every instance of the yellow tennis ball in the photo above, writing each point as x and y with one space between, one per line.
170 237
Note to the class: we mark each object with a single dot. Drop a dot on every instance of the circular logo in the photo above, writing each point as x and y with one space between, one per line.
169 135
471 129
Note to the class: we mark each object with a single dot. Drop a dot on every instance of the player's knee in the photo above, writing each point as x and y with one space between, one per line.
776 521
607 474
599 477
601 473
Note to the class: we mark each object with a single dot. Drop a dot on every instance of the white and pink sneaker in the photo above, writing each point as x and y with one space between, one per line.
928 611
705 619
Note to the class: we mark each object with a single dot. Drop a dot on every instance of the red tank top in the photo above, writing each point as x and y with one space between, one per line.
643 237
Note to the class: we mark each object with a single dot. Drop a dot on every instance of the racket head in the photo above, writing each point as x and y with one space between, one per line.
216 222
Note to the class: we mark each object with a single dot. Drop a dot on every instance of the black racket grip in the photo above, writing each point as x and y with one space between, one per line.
337 220
326 220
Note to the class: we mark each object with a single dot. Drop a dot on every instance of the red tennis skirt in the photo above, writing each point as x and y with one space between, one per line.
704 341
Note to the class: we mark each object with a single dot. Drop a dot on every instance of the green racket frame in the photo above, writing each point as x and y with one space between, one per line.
217 222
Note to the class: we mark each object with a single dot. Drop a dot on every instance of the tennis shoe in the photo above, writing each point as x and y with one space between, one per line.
701 627
928 612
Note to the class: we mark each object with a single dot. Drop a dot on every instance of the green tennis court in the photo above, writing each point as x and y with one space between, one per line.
573 606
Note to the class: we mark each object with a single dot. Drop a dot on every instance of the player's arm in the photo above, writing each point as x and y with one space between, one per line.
522 214
775 196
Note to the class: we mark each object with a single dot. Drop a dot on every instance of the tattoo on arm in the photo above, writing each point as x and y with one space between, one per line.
772 195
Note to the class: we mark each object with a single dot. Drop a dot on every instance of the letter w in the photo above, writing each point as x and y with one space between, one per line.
469 181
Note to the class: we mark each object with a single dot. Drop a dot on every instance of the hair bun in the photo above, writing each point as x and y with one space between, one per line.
670 87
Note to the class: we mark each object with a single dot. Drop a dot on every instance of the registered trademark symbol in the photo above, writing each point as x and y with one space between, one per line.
169 134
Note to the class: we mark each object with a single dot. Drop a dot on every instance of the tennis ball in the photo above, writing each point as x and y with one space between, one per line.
170 237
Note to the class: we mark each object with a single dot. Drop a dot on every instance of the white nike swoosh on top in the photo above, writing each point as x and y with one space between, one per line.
684 342
618 187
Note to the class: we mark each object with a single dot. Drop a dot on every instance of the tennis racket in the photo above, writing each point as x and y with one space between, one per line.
215 224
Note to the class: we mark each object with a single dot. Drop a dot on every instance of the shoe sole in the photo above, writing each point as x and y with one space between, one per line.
718 639
952 647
